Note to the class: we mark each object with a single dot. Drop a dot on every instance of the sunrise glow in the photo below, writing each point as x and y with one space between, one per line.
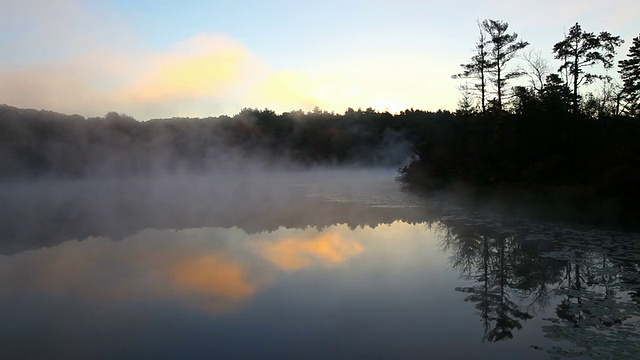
202 59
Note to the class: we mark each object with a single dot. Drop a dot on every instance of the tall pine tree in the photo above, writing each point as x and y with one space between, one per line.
580 50
478 68
504 47
630 75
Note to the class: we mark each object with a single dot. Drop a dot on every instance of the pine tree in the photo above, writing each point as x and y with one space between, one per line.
581 49
630 75
478 68
504 47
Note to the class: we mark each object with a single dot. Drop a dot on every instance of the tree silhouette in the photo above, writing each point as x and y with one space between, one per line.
591 313
592 285
555 95
630 75
581 49
537 70
487 259
504 47
478 68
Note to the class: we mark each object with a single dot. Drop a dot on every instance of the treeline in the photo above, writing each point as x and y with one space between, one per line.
43 143
547 141
554 139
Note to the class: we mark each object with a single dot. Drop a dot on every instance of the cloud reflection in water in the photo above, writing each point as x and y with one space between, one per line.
214 270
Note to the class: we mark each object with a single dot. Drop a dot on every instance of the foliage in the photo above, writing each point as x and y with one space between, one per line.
587 285
504 47
494 49
581 49
43 143
478 68
535 146
630 75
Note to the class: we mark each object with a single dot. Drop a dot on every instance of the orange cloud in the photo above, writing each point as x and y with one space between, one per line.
213 275
219 285
186 267
295 253
148 269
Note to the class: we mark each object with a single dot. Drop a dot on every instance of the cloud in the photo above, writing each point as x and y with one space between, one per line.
284 90
63 55
208 74
74 61
327 249
208 270
151 266
216 283
80 57
78 86
199 75
206 66
164 265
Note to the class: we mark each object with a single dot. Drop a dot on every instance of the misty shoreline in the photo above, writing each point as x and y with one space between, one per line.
44 144
497 160
47 212
551 204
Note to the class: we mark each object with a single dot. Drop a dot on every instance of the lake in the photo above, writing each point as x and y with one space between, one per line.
326 264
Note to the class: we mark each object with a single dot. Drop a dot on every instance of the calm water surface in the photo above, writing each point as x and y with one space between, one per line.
322 265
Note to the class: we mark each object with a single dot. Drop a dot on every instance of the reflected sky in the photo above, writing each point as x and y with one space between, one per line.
214 270
318 286
385 291
297 282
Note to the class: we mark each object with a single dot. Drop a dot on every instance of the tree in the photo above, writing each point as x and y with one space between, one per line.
525 100
605 100
537 70
630 75
580 50
555 95
478 68
466 105
504 47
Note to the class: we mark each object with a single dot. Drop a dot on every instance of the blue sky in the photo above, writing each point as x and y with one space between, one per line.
199 58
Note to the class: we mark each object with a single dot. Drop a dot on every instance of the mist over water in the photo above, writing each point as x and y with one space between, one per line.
300 263
41 209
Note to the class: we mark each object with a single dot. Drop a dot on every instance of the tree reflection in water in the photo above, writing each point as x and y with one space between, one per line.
516 274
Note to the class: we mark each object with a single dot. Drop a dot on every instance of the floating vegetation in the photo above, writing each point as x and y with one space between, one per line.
614 343
599 313
586 283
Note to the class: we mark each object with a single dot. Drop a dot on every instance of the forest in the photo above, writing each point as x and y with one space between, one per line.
36 143
567 136
568 139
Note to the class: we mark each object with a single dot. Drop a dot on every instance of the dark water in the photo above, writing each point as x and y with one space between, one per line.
315 265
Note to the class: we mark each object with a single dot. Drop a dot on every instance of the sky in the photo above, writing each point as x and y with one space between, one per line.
192 58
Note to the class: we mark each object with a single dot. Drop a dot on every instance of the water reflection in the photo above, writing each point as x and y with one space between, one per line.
303 272
587 285
284 292
34 215
152 265
328 248
213 269
599 312
222 283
